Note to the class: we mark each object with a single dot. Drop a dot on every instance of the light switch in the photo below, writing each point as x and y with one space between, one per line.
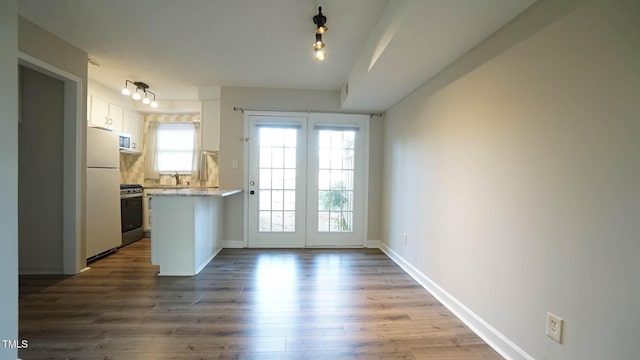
234 164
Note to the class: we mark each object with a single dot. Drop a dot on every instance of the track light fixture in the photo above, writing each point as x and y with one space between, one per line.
318 47
141 92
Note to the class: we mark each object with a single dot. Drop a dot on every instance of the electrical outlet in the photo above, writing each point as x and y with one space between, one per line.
405 238
554 327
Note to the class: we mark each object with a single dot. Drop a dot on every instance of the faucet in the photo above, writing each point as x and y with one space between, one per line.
177 176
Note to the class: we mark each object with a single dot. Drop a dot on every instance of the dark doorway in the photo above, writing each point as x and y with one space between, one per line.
40 172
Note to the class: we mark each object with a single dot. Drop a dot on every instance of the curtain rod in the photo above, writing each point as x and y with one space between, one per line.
242 110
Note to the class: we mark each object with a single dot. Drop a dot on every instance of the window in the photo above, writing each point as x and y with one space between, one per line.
175 143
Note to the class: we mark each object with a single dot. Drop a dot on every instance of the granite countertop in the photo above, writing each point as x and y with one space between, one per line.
176 187
192 192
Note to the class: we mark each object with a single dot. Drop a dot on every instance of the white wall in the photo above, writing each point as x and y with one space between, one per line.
9 175
231 148
517 182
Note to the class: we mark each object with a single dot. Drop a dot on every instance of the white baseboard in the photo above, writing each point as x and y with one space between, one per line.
486 332
374 244
233 244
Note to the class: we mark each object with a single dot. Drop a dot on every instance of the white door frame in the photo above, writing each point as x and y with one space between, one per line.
246 139
73 260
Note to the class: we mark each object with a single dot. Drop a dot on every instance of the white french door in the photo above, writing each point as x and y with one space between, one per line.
277 181
307 181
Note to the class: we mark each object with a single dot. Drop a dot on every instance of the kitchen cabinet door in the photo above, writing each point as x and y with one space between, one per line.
116 116
133 125
105 115
99 114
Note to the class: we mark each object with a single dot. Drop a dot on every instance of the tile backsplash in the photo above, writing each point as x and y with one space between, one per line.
132 165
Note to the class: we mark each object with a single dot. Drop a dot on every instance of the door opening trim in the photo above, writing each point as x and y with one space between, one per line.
73 182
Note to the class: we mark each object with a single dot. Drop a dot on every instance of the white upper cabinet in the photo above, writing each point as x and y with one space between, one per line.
210 115
105 115
116 115
133 125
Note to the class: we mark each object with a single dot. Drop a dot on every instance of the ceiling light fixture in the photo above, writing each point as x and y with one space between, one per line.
140 87
318 47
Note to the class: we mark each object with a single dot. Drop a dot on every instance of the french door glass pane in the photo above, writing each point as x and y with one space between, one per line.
336 180
277 179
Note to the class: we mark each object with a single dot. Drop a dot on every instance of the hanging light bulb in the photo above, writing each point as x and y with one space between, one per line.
125 90
146 100
154 104
318 46
136 95
320 55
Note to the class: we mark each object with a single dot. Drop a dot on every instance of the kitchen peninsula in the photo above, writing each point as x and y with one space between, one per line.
187 229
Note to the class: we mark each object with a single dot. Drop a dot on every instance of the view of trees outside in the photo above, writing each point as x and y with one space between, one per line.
335 180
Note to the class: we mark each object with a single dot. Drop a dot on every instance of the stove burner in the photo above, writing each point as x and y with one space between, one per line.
130 189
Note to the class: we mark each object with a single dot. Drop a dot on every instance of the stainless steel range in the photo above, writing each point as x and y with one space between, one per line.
131 212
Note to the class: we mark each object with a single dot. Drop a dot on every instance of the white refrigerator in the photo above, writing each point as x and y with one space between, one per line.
103 227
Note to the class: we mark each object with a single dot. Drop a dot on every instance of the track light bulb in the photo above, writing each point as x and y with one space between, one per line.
136 96
154 104
126 91
146 100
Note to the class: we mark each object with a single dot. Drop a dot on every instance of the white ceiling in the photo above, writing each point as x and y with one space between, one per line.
177 46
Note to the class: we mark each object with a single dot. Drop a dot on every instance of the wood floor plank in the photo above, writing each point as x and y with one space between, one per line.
246 304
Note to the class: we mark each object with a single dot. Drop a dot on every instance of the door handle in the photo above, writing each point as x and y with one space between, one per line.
252 192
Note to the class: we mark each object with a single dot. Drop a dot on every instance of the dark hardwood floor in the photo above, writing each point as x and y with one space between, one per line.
246 304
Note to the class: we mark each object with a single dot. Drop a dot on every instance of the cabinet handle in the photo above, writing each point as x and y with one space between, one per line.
134 145
106 120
